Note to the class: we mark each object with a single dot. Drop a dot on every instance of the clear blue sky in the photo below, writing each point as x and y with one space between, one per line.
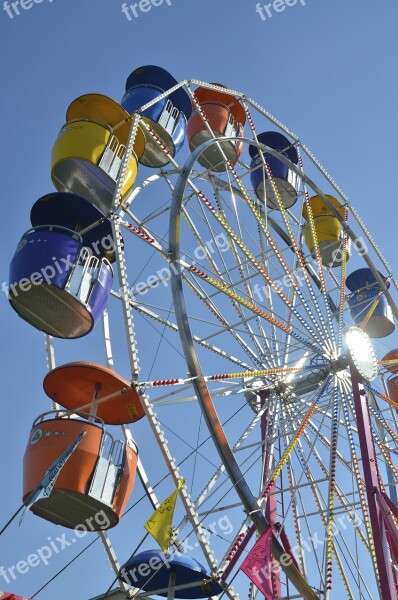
328 70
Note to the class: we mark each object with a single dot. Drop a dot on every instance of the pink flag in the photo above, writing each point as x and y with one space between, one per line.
5 596
260 566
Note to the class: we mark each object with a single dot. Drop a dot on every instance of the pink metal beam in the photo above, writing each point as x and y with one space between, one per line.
238 553
385 506
286 544
387 587
271 508
390 504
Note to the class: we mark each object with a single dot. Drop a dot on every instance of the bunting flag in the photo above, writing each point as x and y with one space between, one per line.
46 485
259 565
5 596
159 525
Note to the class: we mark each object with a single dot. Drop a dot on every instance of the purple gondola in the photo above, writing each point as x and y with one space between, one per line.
57 284
76 213
188 574
285 178
365 290
167 118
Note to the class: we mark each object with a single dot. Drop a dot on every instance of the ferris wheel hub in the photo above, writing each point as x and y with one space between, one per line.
359 353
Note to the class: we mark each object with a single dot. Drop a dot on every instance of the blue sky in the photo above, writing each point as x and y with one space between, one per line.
327 69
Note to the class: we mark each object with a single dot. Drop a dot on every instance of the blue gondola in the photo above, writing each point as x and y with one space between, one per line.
76 213
365 290
151 570
286 179
57 284
167 118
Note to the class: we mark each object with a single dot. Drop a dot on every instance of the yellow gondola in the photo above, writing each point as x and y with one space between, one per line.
329 231
87 155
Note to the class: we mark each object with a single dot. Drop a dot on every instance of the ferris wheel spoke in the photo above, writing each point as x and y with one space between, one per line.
243 269
320 502
293 500
330 533
199 290
308 543
145 234
204 495
174 327
221 287
318 255
314 484
212 307
294 440
286 269
383 426
322 329
290 273
255 264
304 461
295 247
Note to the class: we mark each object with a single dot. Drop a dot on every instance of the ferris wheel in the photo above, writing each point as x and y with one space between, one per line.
250 310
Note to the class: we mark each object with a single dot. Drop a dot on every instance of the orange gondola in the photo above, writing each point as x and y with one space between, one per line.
93 388
219 115
94 484
392 381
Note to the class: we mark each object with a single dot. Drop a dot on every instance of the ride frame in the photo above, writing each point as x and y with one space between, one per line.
377 505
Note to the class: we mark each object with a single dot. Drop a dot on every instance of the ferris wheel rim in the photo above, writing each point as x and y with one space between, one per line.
202 392
177 281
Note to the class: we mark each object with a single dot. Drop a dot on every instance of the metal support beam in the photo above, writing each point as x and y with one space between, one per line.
387 587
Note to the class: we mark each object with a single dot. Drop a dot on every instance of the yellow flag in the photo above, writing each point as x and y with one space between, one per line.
159 524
